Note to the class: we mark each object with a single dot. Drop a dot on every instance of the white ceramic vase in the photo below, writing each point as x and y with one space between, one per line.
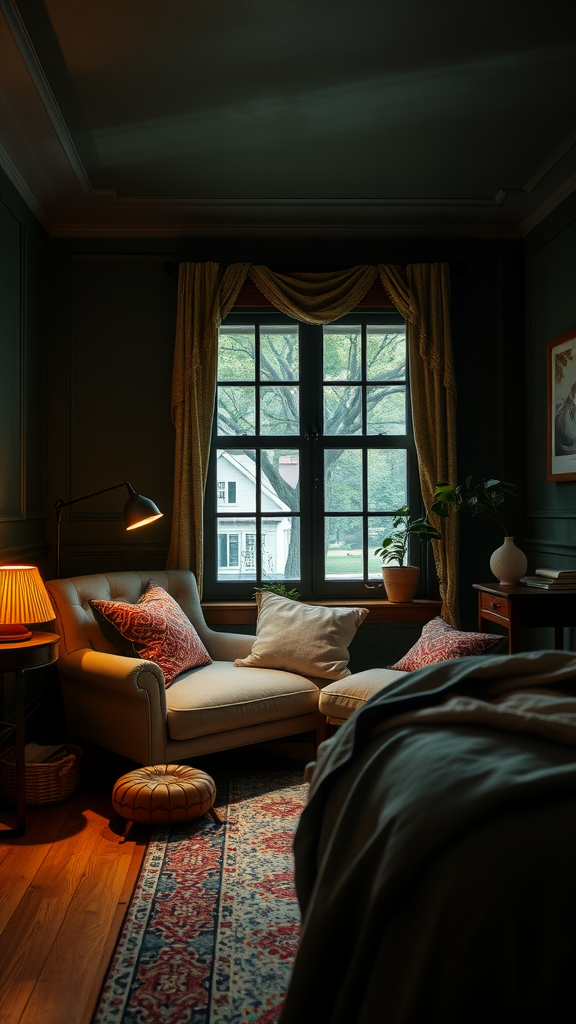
508 563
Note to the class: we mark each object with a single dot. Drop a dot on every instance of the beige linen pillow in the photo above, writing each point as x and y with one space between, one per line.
311 640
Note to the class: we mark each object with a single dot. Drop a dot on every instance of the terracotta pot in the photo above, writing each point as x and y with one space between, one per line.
400 582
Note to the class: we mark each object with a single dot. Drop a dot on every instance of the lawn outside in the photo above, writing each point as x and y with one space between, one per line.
346 563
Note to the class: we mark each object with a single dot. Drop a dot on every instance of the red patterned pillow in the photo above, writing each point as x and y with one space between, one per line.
155 628
441 642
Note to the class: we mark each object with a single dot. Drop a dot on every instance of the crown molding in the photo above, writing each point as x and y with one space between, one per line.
283 230
241 210
36 72
13 174
195 202
549 205
549 164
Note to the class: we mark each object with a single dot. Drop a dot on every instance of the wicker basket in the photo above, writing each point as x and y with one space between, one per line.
47 782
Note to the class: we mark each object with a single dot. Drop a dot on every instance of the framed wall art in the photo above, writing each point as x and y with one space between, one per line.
561 415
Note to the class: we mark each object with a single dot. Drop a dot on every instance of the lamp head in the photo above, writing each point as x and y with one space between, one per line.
23 599
139 511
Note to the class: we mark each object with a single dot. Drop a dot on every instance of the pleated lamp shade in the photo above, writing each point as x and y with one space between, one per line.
23 599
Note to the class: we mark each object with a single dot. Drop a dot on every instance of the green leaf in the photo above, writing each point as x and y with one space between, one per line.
278 588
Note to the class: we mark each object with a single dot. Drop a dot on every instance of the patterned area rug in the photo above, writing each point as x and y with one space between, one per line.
212 929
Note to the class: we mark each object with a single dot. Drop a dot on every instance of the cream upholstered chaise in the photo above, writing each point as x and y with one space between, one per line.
123 704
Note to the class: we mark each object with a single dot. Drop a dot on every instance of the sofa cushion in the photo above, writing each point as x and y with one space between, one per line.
311 640
155 628
441 642
340 699
217 697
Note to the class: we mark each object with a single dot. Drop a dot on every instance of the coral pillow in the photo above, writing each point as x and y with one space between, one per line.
155 628
311 640
441 642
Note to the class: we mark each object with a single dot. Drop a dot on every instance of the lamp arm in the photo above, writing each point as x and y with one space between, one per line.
59 505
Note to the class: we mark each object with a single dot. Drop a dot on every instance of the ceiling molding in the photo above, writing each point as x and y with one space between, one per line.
283 230
12 172
36 72
110 196
549 204
509 213
296 203
549 164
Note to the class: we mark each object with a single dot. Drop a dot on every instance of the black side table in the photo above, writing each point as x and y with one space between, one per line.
39 651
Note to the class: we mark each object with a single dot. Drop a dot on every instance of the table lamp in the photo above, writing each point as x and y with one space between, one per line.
138 511
23 599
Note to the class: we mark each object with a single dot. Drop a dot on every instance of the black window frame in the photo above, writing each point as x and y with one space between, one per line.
311 443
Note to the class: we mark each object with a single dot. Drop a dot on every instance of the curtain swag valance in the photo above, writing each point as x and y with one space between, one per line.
206 294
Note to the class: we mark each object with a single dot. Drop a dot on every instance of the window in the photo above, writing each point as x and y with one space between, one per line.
313 438
226 488
228 550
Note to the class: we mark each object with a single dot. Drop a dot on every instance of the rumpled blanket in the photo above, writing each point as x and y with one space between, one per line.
435 859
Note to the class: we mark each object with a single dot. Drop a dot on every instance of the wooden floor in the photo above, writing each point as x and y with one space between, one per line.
65 888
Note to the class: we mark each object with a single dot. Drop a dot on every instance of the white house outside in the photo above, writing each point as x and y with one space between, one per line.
236 484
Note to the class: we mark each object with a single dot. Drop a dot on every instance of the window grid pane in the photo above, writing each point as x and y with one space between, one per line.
342 353
279 410
387 479
342 409
343 480
385 354
362 481
236 353
343 548
279 353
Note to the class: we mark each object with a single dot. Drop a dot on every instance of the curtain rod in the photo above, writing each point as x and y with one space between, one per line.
458 267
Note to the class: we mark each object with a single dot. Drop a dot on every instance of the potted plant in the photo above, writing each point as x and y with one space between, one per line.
507 563
401 580
278 588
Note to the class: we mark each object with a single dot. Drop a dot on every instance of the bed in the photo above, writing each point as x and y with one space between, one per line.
435 859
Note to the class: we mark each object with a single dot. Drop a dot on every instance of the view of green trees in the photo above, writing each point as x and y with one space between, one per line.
343 385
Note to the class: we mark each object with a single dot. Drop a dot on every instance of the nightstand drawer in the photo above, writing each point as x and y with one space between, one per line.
495 606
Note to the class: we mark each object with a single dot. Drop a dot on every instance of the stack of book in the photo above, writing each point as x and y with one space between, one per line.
552 579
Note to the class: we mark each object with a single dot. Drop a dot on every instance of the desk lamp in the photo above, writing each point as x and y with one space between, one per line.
23 599
138 511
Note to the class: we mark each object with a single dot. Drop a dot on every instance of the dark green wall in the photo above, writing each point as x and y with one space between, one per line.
551 311
23 254
23 249
90 406
112 321
86 348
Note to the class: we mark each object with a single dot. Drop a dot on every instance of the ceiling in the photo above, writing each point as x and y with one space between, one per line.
308 117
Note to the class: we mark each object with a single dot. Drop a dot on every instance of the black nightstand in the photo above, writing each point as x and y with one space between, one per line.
20 658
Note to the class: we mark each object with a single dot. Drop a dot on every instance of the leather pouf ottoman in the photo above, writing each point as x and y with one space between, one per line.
164 794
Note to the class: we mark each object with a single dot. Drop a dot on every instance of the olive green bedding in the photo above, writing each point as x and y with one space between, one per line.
435 859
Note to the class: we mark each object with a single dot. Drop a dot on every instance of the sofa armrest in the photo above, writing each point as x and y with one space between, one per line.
229 646
128 676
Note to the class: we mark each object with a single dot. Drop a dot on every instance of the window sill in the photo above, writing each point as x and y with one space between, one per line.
225 613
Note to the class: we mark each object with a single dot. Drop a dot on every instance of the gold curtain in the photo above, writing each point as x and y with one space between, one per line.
205 295
422 296
314 298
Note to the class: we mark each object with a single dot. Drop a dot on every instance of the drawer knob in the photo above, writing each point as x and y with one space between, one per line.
494 604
